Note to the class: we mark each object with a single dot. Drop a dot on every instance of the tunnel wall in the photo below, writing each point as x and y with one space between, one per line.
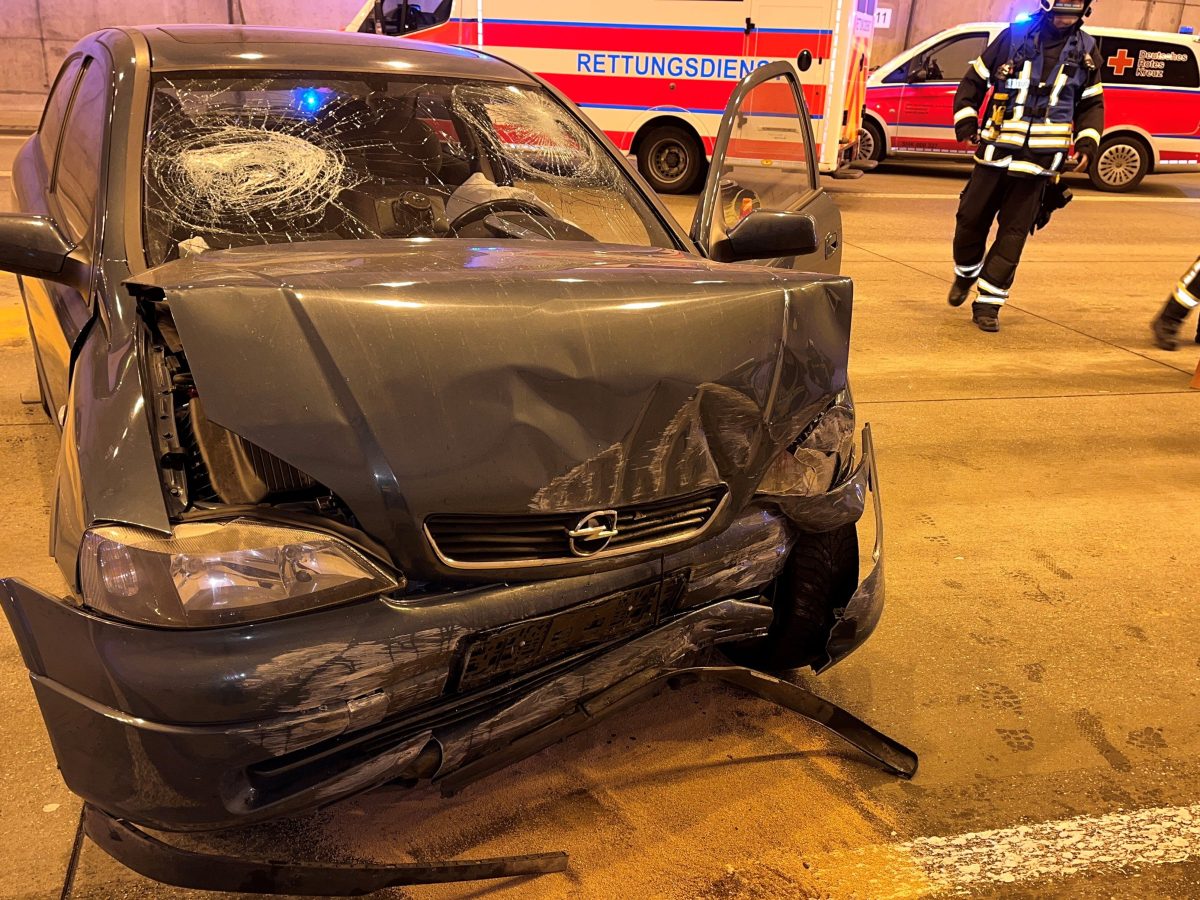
38 33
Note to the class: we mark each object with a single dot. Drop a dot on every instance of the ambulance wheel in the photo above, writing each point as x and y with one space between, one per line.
819 577
1120 165
671 159
871 144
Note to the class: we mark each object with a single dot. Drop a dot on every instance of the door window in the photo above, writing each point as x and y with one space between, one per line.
767 163
1128 61
56 111
761 200
76 183
947 61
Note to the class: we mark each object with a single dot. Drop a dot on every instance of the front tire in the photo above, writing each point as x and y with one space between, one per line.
871 143
819 578
671 159
1120 165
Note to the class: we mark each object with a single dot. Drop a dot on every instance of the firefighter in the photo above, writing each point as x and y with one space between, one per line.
1185 298
1044 79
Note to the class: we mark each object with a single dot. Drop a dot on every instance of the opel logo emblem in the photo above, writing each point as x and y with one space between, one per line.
593 532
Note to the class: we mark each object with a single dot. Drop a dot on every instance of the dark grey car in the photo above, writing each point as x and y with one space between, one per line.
399 419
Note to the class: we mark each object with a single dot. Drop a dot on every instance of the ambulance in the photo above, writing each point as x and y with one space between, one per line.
656 74
1151 101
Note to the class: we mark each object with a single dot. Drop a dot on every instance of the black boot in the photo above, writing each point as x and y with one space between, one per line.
960 290
1166 324
986 316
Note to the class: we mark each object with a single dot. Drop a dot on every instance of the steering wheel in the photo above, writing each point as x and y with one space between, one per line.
501 204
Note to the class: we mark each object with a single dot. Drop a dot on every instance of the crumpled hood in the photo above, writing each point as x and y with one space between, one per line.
414 378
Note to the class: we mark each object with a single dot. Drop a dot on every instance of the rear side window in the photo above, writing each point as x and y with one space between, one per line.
1140 62
76 183
56 110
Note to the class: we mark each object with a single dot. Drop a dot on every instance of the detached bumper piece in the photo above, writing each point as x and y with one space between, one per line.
176 866
163 862
890 755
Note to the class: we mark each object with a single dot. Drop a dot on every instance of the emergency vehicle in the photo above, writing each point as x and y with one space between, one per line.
656 74
1151 101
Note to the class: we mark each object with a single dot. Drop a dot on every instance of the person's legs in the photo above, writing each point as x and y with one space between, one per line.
1021 199
1183 300
977 207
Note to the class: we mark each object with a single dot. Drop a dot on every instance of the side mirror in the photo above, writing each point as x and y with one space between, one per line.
804 60
33 246
765 234
918 74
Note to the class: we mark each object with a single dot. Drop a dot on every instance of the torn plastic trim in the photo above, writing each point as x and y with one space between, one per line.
177 866
842 505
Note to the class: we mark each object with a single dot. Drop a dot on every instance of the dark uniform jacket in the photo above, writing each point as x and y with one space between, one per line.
1045 95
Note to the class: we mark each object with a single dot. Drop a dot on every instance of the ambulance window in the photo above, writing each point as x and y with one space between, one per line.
407 16
1129 61
947 61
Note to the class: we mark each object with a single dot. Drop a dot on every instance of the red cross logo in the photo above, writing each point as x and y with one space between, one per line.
1120 62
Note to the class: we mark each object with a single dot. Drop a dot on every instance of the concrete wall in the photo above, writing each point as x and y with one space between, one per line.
37 34
915 20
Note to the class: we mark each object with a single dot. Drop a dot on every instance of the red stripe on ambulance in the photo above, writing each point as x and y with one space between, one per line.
690 94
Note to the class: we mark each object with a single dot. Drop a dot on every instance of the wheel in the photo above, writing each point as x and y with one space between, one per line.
819 577
671 159
871 143
1120 164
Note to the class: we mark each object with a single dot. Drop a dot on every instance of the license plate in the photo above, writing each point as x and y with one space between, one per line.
495 655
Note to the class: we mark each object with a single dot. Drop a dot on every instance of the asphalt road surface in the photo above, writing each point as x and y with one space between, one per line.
1040 649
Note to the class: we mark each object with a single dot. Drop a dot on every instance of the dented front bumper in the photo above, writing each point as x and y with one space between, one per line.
209 728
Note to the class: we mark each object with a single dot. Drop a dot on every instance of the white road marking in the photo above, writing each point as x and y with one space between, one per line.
1092 198
1041 852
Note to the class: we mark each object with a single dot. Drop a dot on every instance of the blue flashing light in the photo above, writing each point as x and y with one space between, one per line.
1186 29
1023 18
309 101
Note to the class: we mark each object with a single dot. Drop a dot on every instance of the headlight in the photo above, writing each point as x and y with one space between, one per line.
218 573
823 454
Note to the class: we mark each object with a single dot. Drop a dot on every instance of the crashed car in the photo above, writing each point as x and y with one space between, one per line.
400 420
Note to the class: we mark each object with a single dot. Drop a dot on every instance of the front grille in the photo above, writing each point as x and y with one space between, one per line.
481 541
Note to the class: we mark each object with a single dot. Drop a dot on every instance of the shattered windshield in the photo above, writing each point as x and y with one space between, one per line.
262 159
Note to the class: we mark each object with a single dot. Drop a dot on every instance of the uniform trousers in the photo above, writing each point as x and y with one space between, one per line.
993 195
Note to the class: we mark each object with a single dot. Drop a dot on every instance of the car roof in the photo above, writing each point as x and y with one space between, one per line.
206 48
1103 30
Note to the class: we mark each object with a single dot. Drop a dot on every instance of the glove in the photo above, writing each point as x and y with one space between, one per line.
967 131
